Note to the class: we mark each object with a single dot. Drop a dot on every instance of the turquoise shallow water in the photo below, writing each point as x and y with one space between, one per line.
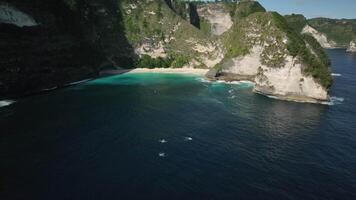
171 136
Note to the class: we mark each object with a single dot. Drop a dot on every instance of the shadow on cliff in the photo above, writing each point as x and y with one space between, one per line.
68 45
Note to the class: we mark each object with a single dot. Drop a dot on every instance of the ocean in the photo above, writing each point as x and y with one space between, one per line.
173 136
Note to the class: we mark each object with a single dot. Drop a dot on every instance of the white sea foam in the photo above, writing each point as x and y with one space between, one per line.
4 103
249 83
334 74
162 154
334 101
188 138
162 141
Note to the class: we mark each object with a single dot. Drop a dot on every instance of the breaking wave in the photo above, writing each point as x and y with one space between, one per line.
249 83
334 101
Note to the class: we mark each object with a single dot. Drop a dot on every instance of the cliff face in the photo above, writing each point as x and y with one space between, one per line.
49 45
155 30
262 48
320 37
216 18
45 45
341 31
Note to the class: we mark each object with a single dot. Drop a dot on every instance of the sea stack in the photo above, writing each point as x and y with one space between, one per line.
352 47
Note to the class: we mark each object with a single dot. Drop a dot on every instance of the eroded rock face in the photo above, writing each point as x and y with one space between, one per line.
268 62
320 37
288 82
218 17
352 47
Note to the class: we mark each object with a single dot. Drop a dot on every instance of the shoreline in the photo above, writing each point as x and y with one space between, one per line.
193 71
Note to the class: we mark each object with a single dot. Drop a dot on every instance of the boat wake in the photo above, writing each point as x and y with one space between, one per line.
4 103
334 74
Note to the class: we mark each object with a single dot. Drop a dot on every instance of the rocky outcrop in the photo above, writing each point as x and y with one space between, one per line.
49 45
286 82
352 47
168 35
217 16
266 56
341 31
289 82
320 37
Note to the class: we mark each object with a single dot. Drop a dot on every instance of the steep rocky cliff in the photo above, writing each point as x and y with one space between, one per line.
301 25
156 31
341 31
215 18
263 48
48 45
45 45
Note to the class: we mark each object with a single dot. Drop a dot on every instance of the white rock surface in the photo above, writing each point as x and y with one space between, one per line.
287 82
320 37
352 47
11 15
151 49
248 64
217 16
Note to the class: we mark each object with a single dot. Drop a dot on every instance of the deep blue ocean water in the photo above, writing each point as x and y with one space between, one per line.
169 136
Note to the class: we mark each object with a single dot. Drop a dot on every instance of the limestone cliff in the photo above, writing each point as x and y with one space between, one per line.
69 40
330 33
320 37
341 31
262 48
216 17
155 30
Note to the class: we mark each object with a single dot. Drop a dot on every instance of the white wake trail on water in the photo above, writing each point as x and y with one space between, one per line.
335 74
4 103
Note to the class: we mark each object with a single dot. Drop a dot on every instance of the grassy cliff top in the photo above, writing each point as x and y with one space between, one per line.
296 21
270 29
245 8
342 31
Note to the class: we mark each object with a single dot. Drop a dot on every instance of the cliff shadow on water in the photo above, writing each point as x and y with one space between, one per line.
69 40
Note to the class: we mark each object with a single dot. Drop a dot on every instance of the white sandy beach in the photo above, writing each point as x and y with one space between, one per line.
200 72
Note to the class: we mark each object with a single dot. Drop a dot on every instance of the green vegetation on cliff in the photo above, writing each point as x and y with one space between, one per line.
245 8
297 47
296 21
173 61
235 39
342 31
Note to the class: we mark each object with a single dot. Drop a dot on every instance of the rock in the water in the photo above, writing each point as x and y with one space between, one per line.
352 47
